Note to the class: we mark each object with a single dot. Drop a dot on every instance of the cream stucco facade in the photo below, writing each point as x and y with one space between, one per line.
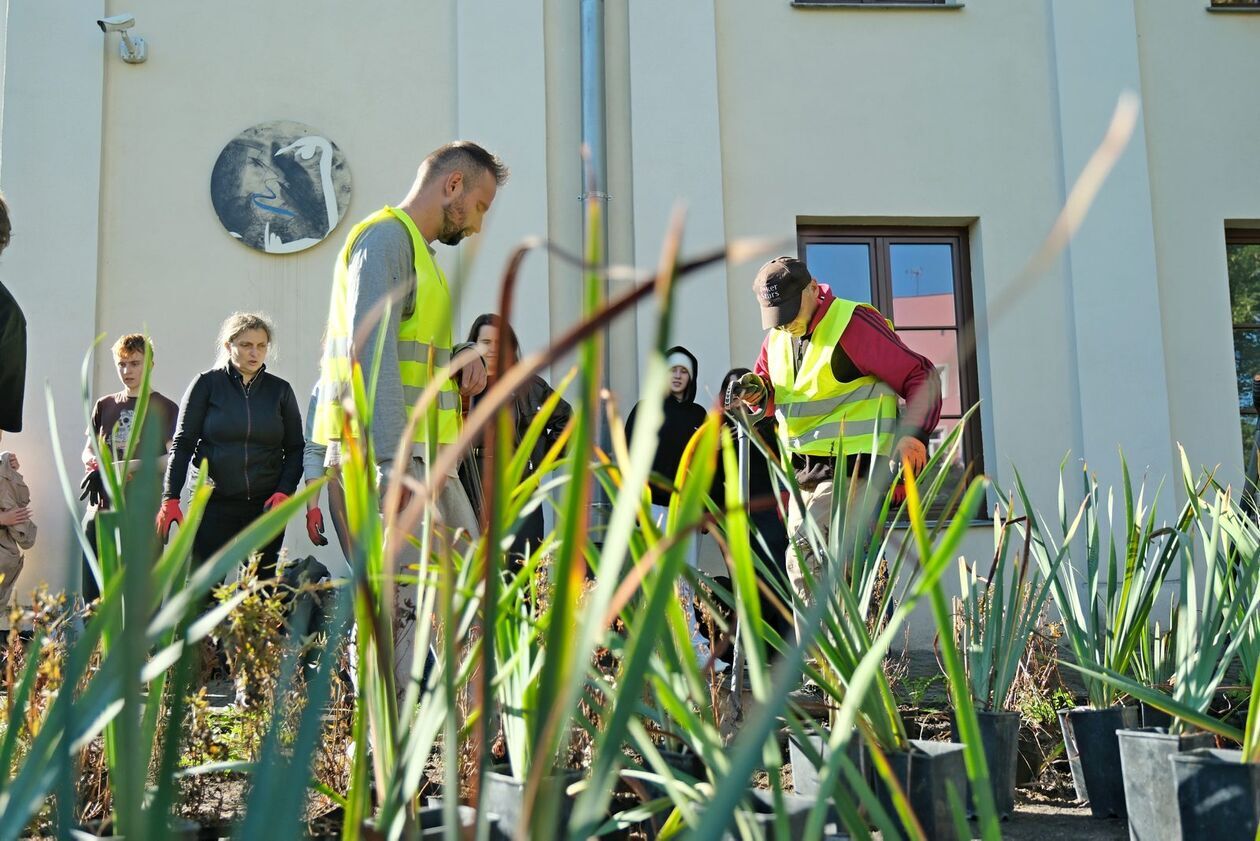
757 115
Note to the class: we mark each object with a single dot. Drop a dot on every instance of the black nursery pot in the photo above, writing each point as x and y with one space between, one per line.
1150 790
1218 795
796 811
687 762
1090 735
926 772
1154 716
999 735
805 775
432 821
503 796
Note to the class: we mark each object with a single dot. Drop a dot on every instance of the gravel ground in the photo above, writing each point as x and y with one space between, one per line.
1039 818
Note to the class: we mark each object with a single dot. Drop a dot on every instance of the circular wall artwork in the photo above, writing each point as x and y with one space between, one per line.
280 187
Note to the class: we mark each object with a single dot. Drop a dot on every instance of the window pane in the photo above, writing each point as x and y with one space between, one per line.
1248 436
1246 364
1244 282
943 429
844 266
922 283
941 348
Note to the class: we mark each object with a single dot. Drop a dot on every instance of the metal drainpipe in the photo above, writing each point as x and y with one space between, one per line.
594 190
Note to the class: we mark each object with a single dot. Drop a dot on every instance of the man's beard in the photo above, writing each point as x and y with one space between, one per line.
452 230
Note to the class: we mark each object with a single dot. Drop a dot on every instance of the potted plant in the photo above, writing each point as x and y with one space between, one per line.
1105 604
1202 792
1209 627
1218 791
862 602
994 618
521 656
1154 662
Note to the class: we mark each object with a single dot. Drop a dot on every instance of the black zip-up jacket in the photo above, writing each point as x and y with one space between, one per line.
251 435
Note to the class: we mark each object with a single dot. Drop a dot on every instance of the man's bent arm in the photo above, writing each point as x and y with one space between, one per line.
877 351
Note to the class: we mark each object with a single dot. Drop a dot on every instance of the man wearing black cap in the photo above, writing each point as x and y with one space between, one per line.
833 371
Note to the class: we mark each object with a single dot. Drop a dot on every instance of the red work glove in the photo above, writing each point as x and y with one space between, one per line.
315 527
274 500
168 515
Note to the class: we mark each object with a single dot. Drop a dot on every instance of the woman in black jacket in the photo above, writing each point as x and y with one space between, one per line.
246 423
487 334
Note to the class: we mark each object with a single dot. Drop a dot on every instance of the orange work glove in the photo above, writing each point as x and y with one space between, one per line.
315 526
168 515
913 457
913 454
274 500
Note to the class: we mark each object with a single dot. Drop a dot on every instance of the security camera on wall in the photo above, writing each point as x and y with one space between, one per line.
116 23
132 50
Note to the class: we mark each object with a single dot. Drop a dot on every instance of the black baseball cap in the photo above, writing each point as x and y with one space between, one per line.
778 287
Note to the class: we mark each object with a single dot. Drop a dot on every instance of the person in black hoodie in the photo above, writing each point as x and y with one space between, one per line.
245 421
683 416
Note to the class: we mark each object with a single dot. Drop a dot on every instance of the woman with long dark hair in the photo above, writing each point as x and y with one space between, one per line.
493 337
245 422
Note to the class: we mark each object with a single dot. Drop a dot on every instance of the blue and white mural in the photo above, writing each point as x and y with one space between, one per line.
280 187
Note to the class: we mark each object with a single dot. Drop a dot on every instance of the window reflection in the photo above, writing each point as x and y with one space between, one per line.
922 284
844 266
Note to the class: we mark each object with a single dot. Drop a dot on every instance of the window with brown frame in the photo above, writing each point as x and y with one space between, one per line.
873 2
1227 3
1242 258
920 279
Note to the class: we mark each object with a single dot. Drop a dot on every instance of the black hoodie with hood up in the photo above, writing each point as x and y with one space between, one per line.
682 419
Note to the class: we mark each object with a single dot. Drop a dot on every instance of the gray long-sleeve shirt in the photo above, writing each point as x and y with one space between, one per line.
382 264
313 453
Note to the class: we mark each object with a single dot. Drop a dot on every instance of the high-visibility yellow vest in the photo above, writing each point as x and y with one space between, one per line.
424 342
818 414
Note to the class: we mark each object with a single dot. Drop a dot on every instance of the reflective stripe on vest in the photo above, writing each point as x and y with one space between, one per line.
819 415
424 341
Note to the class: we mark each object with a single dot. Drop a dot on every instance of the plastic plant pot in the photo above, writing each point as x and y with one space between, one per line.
926 772
1150 789
1091 735
503 796
999 735
795 810
1218 795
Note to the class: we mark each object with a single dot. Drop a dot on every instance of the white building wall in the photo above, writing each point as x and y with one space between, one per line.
501 71
760 115
677 165
918 117
1111 259
1201 117
50 170
167 265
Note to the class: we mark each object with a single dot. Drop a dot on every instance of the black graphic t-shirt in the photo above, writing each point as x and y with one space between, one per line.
113 415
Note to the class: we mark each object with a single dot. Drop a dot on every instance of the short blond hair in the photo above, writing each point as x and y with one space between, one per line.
132 343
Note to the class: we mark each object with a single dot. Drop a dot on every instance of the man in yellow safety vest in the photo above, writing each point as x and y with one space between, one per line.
833 372
389 255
